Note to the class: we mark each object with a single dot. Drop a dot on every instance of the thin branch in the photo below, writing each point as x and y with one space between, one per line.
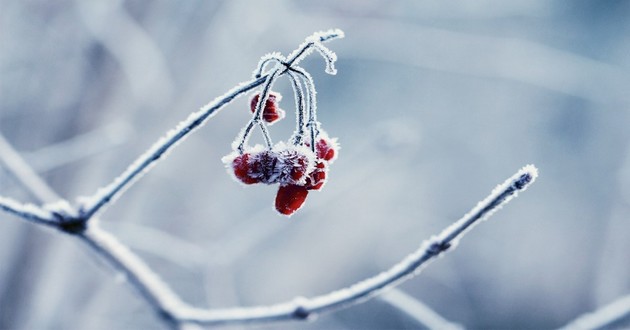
606 316
28 212
302 308
92 204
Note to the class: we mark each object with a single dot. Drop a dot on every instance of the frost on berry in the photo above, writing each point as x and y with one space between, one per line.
294 163
317 178
255 165
240 166
263 166
271 112
326 148
290 198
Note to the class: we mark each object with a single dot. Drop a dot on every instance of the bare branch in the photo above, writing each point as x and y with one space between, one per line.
302 308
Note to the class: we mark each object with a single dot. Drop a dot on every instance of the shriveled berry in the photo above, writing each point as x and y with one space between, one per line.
271 112
317 178
262 166
294 163
241 168
290 198
326 149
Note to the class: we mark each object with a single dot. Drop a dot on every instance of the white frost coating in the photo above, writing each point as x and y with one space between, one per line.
61 207
284 164
27 211
266 59
485 208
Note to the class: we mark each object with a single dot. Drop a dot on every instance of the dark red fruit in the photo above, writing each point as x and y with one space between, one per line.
299 165
290 198
326 149
241 167
271 112
317 178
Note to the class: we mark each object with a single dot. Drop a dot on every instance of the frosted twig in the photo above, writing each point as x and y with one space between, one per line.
606 316
300 102
303 308
28 212
92 204
309 85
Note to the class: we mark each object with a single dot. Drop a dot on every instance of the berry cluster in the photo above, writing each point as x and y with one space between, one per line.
296 168
301 164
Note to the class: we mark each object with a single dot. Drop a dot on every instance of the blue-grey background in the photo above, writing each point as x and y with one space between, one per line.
434 104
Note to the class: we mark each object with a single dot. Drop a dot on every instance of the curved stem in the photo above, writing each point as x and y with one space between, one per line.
312 124
302 308
300 103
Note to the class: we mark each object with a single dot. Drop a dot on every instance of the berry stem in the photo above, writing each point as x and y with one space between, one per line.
300 102
312 124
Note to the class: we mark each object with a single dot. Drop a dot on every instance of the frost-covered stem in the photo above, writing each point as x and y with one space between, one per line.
300 104
309 84
156 292
302 308
28 212
604 317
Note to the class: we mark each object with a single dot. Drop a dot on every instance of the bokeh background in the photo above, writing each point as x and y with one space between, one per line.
434 104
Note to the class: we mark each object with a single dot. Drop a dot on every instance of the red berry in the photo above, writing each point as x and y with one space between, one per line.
294 164
290 198
317 178
241 167
326 149
271 112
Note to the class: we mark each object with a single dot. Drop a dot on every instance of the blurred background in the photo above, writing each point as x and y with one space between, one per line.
435 103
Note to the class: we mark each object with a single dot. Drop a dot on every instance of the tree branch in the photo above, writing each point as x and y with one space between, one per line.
302 308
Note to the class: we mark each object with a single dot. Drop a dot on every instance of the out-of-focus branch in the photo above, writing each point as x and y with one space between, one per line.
417 310
16 165
603 317
303 308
